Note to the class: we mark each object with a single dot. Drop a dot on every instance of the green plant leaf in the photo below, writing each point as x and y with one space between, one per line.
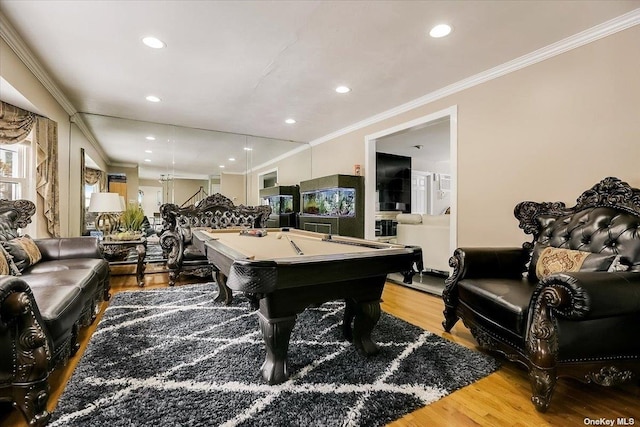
132 218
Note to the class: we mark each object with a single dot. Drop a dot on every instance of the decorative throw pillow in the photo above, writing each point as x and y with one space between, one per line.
5 270
555 260
24 251
13 268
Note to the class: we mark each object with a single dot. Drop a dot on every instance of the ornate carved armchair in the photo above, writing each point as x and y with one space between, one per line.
215 211
566 304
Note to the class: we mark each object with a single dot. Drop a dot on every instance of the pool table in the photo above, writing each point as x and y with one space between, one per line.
287 270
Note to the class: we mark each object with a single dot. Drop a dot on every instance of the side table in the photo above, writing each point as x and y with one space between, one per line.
115 251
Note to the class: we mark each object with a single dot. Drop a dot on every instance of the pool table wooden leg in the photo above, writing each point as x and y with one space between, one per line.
349 314
367 315
225 294
141 250
276 334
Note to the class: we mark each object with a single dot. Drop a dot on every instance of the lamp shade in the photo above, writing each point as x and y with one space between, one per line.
105 202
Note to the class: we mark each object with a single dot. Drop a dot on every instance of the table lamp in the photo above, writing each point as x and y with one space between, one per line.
107 206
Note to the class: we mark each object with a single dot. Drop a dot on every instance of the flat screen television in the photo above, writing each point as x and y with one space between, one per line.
393 182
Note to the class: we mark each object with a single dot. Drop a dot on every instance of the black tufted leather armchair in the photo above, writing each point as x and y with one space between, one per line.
581 324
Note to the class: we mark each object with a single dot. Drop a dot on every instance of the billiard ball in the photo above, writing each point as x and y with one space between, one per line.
279 236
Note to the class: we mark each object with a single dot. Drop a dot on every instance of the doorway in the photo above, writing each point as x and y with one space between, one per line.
450 179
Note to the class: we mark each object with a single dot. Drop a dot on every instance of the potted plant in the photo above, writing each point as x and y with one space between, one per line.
131 223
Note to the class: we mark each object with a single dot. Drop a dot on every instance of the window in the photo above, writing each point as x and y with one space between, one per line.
17 176
15 170
88 189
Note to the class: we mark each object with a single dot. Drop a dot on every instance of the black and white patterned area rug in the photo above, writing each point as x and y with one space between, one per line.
154 253
173 357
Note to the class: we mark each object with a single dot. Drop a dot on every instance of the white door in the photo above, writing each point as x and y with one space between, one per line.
419 196
151 199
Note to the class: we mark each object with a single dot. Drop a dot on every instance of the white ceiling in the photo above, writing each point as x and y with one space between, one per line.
245 66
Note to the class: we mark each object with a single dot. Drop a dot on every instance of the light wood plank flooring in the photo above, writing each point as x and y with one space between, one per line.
501 399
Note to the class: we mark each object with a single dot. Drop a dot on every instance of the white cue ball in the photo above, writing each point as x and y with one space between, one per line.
279 236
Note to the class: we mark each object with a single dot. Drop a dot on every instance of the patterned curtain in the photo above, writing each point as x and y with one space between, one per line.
96 176
15 126
15 123
92 176
103 183
46 140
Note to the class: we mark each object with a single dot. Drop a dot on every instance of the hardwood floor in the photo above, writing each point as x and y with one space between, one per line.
500 399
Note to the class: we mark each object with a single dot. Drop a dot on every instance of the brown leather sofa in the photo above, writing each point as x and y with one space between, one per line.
42 309
215 211
566 304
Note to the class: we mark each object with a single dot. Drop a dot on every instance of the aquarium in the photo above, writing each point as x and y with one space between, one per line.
330 202
279 204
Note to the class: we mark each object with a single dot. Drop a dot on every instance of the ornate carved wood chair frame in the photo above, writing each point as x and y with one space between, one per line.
557 299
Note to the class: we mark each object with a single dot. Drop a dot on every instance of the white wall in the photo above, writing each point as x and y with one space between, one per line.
151 199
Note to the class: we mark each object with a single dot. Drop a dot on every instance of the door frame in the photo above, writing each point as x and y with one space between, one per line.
370 169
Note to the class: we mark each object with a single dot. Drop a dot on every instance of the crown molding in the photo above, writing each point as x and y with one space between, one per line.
590 35
9 34
82 125
123 165
15 42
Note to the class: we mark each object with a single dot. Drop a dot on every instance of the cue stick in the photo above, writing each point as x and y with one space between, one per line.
295 247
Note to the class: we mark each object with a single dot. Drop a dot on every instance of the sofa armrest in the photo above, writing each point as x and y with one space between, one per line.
25 351
24 340
590 295
69 247
475 263
488 262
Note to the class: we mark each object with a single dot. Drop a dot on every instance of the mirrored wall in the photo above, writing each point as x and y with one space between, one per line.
166 163
184 153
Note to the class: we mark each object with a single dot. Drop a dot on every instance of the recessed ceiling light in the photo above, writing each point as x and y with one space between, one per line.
248 149
290 121
343 89
232 159
147 160
152 98
151 138
153 42
440 31
221 166
148 151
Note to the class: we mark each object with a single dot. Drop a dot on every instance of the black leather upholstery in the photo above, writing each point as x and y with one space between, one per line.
499 300
66 248
580 324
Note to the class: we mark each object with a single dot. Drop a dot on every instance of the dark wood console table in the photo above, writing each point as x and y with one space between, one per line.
115 251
